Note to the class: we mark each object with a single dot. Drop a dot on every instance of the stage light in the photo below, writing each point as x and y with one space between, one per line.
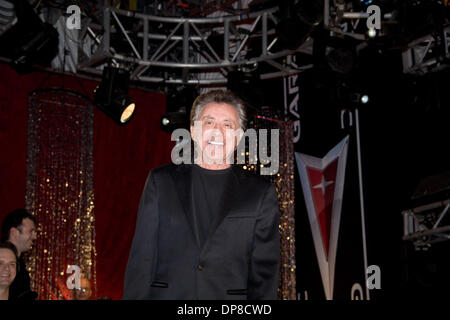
372 32
28 40
111 96
364 99
7 16
355 97
341 59
165 121
178 105
174 120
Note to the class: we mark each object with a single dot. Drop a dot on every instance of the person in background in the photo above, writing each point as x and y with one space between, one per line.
19 228
8 268
84 292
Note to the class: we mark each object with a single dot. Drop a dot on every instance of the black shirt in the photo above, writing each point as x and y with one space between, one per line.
207 190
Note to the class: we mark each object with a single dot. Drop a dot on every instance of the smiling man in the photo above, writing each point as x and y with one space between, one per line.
19 228
207 230
216 130
8 268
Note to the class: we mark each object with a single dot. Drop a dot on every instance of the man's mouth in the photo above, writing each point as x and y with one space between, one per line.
218 143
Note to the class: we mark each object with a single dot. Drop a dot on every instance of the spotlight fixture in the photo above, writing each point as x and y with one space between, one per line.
111 96
174 120
178 105
361 98
7 16
372 32
341 59
25 38
364 99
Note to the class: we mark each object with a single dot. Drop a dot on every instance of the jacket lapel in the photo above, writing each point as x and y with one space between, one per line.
182 177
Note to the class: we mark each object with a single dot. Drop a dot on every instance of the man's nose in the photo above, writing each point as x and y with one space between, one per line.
4 268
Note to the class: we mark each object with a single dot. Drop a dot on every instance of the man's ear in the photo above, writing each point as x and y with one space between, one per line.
13 232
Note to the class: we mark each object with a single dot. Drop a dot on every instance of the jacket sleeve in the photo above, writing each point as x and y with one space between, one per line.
142 258
265 257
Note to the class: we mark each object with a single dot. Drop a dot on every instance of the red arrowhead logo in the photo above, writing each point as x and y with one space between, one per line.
323 186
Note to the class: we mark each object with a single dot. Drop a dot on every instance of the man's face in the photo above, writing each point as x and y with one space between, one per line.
26 236
8 267
216 141
85 291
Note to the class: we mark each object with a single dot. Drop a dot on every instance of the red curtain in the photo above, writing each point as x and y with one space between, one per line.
122 158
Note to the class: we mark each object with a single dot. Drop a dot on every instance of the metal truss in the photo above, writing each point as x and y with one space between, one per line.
173 50
428 54
341 20
423 225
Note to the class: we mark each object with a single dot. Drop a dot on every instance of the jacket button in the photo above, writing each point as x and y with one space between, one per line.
200 267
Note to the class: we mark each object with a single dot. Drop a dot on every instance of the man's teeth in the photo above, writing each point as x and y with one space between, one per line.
216 142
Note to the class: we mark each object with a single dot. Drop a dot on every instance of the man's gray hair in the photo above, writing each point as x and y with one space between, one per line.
220 96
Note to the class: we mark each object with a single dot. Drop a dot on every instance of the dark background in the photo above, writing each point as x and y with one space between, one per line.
404 138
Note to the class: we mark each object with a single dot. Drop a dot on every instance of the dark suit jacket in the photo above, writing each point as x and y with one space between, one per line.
240 258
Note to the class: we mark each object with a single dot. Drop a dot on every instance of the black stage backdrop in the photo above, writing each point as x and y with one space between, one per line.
404 136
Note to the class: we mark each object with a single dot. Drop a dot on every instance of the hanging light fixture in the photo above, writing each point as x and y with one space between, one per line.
111 96
24 38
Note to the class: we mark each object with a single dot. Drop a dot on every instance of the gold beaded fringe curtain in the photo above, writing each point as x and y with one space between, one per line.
59 190
283 181
284 184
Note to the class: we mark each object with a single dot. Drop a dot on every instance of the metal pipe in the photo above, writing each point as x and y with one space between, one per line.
361 198
169 47
202 65
355 15
185 50
216 20
246 38
264 34
185 42
106 27
155 36
126 35
145 43
205 41
421 234
278 74
226 39
165 42
181 81
441 216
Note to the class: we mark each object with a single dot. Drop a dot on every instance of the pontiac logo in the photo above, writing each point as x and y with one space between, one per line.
323 187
